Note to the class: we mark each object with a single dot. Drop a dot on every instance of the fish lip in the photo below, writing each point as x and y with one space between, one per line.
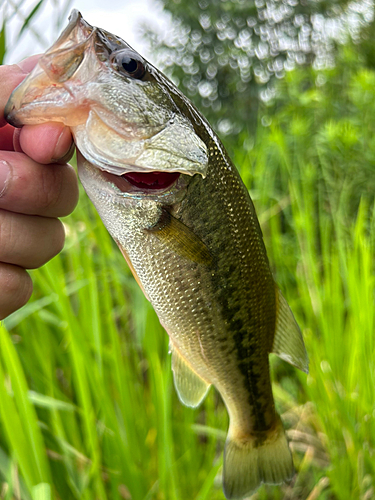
10 116
14 108
124 184
88 170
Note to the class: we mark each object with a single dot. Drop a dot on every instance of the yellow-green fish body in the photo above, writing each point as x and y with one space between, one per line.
177 208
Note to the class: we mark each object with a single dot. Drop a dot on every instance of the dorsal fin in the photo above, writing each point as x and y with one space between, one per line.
190 387
288 343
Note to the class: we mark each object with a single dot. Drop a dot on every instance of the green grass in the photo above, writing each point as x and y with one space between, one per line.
88 406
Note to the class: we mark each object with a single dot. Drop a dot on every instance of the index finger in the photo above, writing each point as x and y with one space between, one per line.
10 77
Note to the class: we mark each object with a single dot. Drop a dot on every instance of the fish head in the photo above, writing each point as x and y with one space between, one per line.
128 120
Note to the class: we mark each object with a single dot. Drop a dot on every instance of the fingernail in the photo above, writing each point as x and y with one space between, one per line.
69 152
5 171
67 156
16 140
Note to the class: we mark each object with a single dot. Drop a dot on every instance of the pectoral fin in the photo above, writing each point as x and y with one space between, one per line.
190 387
288 343
181 239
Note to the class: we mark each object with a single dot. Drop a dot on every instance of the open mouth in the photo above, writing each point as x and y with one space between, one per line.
152 180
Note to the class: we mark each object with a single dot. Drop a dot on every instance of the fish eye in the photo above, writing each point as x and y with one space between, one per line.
128 63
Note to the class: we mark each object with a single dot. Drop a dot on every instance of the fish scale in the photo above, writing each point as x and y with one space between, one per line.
235 288
192 240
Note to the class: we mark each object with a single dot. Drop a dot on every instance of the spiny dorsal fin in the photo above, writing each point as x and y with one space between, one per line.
190 387
288 343
181 239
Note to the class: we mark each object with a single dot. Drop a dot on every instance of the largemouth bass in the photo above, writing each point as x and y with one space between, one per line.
175 204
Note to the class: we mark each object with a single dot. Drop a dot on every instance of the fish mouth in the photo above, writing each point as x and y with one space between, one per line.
151 184
144 181
119 124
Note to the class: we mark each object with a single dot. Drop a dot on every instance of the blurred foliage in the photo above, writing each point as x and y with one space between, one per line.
2 44
225 55
326 117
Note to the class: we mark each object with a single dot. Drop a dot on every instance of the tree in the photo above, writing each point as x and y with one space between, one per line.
226 55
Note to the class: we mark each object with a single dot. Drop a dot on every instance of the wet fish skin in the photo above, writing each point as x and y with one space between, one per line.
197 251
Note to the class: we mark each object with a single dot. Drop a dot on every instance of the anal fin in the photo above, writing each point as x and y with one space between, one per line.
190 387
288 342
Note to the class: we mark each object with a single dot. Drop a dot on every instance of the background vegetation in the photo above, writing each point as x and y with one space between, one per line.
88 409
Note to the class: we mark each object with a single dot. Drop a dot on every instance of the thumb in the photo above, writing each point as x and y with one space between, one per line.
11 76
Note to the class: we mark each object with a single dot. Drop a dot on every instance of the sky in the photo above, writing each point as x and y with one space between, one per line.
123 18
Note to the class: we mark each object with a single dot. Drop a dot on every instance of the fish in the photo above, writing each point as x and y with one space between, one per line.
173 201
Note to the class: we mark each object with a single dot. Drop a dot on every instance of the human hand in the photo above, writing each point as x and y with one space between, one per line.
36 187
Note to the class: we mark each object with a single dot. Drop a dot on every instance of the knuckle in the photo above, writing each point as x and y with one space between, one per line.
29 241
68 192
7 237
73 190
16 289
53 244
50 187
59 237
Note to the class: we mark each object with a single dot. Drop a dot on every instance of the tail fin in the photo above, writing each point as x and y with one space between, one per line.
256 459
